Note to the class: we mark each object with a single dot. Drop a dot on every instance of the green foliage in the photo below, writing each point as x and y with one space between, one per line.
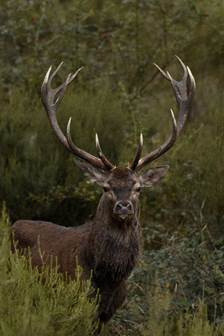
177 276
193 267
160 318
41 304
119 94
160 323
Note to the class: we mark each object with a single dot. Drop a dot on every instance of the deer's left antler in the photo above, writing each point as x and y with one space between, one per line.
184 92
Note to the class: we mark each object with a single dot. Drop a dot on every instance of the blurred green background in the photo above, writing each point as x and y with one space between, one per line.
120 94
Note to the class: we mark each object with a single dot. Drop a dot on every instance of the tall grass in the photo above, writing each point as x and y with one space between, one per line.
161 318
40 304
163 323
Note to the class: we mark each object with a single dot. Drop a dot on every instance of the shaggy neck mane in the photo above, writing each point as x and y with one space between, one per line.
116 247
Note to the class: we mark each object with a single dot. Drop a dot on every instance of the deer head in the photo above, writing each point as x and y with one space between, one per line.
121 186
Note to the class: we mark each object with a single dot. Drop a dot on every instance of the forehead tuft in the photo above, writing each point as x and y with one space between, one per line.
122 177
120 173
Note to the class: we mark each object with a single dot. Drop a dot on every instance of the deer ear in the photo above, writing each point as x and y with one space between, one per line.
96 175
153 176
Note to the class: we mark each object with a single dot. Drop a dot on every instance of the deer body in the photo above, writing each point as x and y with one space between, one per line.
46 240
107 248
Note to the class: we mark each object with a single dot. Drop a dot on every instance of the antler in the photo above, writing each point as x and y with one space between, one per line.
51 99
184 92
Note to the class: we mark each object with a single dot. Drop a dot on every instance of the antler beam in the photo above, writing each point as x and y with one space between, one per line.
184 92
51 98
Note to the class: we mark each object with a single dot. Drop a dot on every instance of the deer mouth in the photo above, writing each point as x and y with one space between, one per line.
123 216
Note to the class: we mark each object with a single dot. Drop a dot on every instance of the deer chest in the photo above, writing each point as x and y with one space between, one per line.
114 264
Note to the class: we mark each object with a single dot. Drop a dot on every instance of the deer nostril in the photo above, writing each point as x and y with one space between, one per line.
119 206
123 206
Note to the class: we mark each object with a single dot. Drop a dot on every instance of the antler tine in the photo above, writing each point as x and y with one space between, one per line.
163 148
192 80
161 71
101 155
184 92
54 74
184 67
79 152
138 153
51 99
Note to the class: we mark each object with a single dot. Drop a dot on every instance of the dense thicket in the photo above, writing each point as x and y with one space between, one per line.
118 94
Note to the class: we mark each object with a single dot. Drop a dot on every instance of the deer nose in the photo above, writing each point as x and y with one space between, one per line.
123 208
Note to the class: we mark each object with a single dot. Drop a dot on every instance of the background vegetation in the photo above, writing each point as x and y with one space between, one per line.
118 94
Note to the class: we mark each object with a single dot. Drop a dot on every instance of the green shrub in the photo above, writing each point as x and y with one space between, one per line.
159 318
161 323
41 304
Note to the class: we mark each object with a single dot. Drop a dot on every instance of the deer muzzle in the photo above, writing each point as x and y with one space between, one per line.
123 209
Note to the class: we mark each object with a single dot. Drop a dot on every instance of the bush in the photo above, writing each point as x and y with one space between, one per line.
162 323
41 304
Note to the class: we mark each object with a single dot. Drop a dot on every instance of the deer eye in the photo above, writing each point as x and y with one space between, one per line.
106 188
138 189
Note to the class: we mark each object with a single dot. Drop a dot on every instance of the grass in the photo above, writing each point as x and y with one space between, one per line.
162 320
41 304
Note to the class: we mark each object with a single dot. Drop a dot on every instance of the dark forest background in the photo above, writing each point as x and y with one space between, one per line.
120 94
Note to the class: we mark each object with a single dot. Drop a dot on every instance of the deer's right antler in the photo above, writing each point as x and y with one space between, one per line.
184 92
51 99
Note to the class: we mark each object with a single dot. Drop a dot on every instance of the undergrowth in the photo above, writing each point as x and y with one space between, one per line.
160 317
44 304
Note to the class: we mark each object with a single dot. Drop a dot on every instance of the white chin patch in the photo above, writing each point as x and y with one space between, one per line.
123 216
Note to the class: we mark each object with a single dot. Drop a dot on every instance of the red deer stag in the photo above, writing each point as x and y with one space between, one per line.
107 246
